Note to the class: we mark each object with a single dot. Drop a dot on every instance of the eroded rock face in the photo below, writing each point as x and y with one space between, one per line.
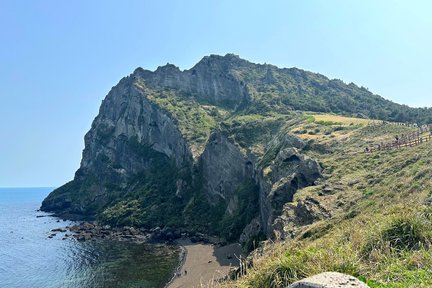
308 211
117 148
223 168
251 230
298 214
289 172
207 81
126 113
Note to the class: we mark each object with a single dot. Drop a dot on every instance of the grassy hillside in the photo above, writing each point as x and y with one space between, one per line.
381 227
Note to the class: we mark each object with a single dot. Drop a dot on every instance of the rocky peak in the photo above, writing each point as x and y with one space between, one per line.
223 63
211 81
168 69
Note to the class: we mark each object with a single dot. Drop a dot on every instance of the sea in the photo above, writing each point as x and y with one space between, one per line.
29 259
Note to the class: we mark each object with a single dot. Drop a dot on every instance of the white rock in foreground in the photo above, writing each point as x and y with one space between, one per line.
329 280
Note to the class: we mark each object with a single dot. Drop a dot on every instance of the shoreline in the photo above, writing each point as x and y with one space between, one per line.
202 260
203 264
182 260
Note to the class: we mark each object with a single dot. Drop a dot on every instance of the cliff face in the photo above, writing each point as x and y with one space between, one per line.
211 81
223 168
128 136
179 148
125 114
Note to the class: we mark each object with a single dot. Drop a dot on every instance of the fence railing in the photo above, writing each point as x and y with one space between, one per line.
404 140
383 123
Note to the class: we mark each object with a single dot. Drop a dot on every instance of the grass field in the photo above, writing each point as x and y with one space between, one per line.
380 230
331 119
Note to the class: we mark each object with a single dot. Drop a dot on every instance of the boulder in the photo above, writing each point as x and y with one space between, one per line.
428 201
329 280
310 210
298 214
61 230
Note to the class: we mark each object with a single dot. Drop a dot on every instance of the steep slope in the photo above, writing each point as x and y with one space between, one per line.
207 149
369 216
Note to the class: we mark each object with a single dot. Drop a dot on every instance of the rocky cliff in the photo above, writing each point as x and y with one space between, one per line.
205 149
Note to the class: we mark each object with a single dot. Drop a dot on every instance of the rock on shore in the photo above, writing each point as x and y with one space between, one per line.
86 231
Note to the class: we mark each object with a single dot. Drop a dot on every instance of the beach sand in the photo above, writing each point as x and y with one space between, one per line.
205 263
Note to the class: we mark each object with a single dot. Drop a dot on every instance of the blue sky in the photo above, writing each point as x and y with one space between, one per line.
58 59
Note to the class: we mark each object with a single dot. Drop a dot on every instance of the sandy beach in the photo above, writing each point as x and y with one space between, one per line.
205 263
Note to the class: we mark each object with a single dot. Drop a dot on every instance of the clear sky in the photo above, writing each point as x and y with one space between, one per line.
58 59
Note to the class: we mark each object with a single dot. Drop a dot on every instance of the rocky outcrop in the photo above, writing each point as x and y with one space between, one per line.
209 81
297 214
280 180
86 231
252 230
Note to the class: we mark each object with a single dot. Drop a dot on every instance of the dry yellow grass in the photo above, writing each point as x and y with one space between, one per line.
308 136
341 119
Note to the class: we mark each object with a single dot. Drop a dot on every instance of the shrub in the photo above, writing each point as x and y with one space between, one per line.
310 119
404 234
124 213
328 123
411 231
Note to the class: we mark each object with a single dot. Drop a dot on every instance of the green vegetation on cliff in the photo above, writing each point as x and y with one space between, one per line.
273 89
194 121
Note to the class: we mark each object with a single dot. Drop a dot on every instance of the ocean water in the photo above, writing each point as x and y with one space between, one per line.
28 258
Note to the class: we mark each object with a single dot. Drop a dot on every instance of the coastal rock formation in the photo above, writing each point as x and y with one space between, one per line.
199 149
129 135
